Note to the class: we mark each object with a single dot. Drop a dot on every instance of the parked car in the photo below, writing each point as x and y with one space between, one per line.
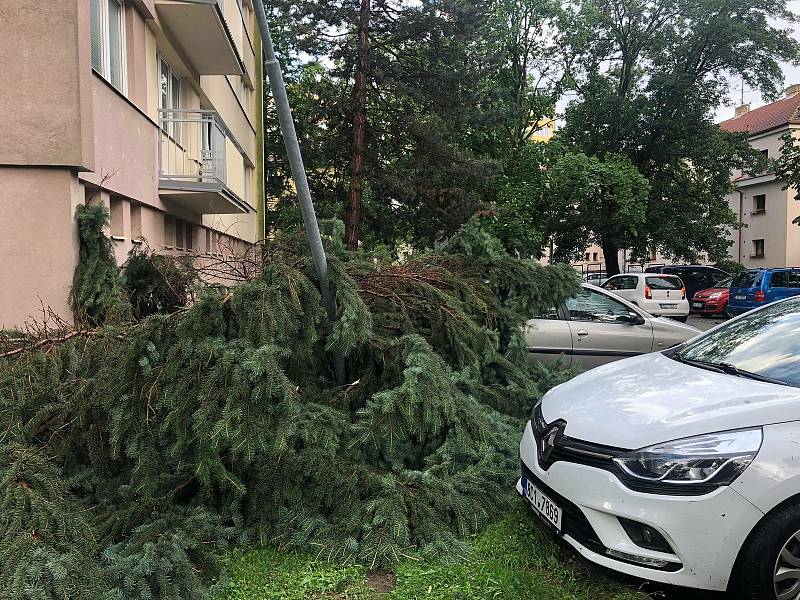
596 327
712 301
681 466
757 287
660 295
694 277
595 278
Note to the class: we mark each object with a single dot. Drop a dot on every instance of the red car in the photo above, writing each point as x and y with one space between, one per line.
712 301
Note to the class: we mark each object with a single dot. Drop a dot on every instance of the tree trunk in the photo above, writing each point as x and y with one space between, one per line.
354 200
611 255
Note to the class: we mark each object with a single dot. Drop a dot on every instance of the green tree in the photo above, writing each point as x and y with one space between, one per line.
787 166
650 74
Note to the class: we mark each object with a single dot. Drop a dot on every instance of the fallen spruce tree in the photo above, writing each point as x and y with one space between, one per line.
133 454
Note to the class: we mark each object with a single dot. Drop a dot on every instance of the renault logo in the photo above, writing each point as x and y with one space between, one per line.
549 441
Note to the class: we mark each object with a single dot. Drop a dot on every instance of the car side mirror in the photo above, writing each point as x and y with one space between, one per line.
632 318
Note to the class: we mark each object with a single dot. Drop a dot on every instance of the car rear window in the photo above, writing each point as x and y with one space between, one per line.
665 282
746 280
785 279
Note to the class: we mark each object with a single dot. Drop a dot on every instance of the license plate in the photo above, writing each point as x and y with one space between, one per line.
668 305
548 509
740 297
697 305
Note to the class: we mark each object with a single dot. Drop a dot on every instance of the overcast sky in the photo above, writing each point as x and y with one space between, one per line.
791 75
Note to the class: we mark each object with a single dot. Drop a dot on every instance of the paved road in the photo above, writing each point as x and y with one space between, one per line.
705 324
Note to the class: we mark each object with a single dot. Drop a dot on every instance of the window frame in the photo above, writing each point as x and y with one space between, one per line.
608 296
105 44
763 252
172 129
763 208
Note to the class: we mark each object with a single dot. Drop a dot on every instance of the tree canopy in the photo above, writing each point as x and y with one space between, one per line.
455 90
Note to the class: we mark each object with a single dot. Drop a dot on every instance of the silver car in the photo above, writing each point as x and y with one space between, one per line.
596 327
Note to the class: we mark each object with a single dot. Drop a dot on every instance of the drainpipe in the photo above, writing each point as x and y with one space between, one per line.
741 217
289 134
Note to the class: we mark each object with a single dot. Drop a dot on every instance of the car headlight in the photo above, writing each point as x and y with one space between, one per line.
717 459
715 295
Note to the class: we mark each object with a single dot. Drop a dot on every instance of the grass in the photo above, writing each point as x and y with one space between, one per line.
515 558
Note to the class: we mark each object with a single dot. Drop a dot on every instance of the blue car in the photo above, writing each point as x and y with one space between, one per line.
757 287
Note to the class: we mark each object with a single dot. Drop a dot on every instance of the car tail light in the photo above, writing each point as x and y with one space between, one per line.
648 293
683 293
760 296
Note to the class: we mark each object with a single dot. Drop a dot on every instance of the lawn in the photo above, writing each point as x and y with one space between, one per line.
515 558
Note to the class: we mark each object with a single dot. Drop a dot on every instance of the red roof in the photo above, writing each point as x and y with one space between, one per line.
771 116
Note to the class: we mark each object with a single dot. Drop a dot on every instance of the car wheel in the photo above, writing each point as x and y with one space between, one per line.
704 315
768 567
680 319
726 314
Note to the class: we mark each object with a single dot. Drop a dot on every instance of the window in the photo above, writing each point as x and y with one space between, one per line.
117 207
169 98
759 204
594 257
586 257
208 242
664 282
108 41
244 94
189 237
593 306
758 249
248 184
748 279
764 153
785 279
180 230
169 231
623 282
136 222
765 342
551 314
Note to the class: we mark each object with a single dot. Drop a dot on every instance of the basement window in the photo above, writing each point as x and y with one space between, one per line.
108 41
169 231
136 223
117 229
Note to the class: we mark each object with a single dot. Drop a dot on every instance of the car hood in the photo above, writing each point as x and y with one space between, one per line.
709 291
649 399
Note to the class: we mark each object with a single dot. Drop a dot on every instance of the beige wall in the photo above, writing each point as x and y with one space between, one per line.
59 113
45 87
781 237
39 242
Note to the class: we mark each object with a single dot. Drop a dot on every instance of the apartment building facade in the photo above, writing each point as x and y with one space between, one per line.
768 237
150 107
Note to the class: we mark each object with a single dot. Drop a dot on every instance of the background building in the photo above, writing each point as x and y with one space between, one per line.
151 107
768 237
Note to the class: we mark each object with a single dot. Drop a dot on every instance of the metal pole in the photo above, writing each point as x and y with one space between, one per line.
289 134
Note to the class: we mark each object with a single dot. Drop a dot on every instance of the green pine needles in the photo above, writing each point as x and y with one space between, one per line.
131 457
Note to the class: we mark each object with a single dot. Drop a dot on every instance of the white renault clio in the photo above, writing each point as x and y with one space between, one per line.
682 466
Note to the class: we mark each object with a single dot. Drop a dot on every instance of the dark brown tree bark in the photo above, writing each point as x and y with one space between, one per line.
355 198
611 256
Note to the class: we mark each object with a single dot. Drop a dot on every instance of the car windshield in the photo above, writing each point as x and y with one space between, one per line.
724 284
665 282
764 343
747 279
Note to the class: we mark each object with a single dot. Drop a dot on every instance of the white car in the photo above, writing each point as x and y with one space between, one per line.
660 295
683 466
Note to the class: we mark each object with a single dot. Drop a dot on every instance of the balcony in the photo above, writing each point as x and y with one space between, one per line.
193 152
200 29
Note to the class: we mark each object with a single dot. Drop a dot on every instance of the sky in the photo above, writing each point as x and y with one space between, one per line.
791 75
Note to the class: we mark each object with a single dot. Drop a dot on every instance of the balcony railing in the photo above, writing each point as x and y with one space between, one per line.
192 156
193 146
